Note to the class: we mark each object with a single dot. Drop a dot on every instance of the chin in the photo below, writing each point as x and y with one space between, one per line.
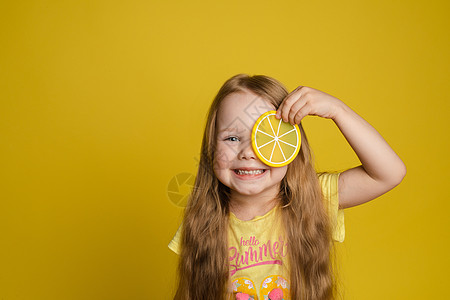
248 192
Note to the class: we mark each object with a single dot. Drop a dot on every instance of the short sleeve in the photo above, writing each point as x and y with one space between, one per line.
174 244
329 184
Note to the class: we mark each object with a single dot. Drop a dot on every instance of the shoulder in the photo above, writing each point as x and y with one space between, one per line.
329 182
327 175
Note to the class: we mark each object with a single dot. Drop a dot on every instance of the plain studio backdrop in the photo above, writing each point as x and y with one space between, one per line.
102 108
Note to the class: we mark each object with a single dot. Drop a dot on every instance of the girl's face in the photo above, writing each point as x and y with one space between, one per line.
235 163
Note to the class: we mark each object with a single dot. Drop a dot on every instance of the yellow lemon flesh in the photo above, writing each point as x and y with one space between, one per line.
275 142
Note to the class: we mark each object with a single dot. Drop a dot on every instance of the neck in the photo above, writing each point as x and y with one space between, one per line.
247 207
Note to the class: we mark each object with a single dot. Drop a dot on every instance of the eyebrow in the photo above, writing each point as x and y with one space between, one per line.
231 129
228 129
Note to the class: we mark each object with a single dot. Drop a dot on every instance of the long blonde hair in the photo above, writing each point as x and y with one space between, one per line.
203 267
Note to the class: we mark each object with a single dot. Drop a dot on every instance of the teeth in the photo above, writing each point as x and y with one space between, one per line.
252 172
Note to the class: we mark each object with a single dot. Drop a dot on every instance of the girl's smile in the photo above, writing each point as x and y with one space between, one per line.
249 173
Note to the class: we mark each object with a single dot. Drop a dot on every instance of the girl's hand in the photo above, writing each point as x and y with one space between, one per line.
381 168
305 101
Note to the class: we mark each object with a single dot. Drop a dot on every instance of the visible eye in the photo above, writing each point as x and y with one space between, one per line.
232 139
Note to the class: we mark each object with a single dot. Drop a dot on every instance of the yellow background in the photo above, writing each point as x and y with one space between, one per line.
103 102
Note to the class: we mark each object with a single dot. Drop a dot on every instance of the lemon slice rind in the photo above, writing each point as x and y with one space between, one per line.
272 147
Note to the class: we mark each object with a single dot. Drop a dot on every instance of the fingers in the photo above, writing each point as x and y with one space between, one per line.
301 113
290 109
285 106
295 115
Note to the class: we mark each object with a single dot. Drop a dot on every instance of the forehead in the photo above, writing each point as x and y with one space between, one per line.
241 110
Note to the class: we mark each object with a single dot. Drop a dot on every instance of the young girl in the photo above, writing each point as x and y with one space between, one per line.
251 231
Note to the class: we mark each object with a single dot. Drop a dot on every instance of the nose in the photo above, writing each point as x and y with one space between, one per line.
246 151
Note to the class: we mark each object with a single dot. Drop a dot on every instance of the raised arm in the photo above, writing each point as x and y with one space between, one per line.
381 168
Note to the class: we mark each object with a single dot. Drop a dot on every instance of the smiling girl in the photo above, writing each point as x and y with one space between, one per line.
252 231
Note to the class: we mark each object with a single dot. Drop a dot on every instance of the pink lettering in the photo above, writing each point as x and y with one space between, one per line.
275 248
234 268
234 253
269 244
283 247
253 255
252 241
242 259
266 253
264 246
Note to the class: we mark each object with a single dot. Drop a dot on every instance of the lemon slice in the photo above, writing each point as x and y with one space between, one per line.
275 142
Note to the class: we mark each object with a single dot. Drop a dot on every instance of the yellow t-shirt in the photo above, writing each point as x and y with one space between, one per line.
257 249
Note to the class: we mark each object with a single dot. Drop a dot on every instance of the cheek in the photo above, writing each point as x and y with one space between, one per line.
278 173
221 166
222 160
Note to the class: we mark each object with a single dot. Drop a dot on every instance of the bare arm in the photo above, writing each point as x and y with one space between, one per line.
381 168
